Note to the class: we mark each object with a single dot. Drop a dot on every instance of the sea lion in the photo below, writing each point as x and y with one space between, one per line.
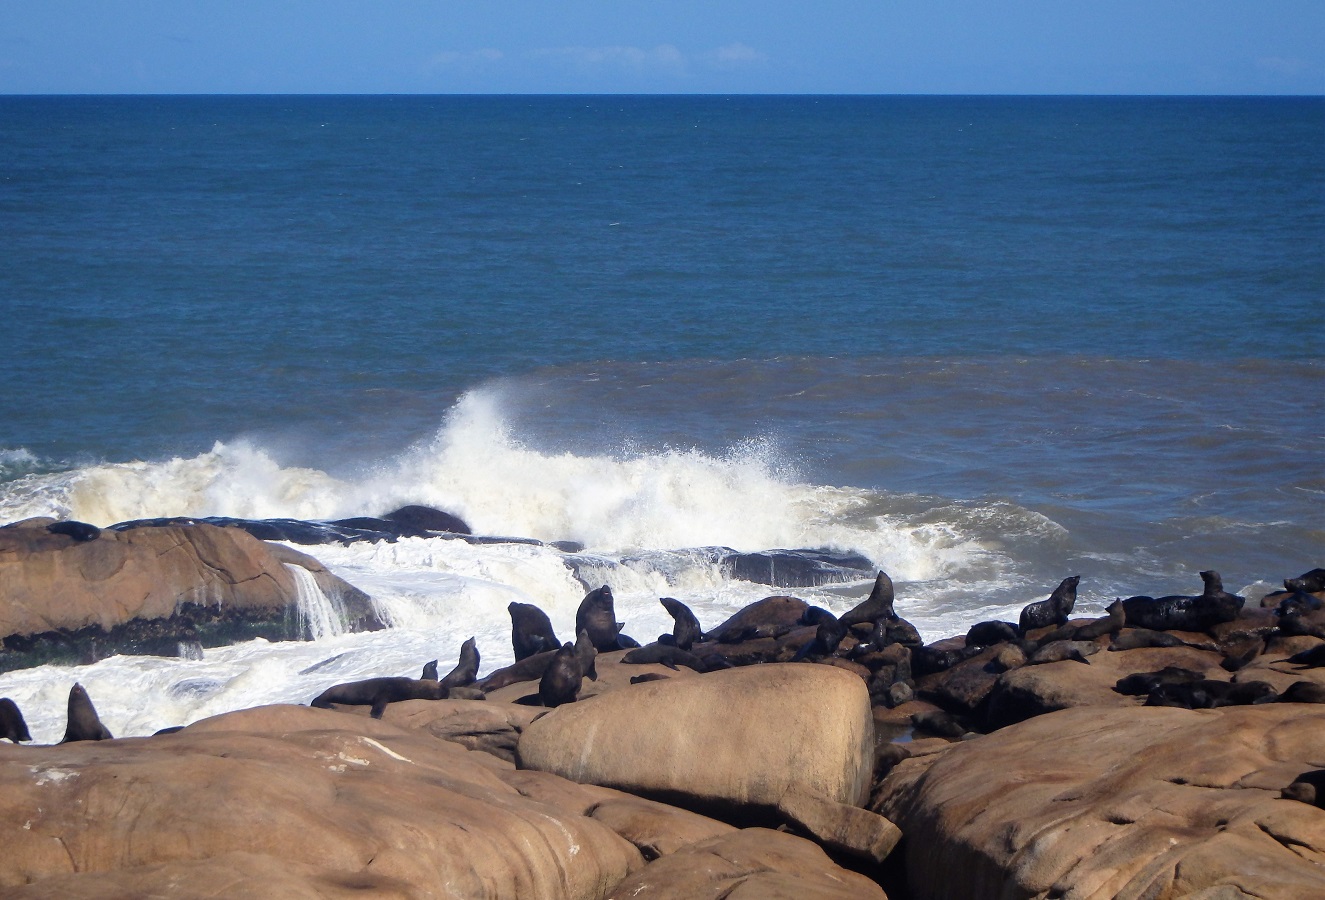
1139 638
1309 788
466 671
685 630
1110 624
931 659
1207 694
878 605
587 654
1308 582
84 723
562 679
597 615
378 692
531 630
1182 613
648 676
1238 656
938 723
663 654
429 671
79 531
1309 659
1060 651
1054 610
1303 692
530 668
12 724
827 636
769 617
1139 684
986 634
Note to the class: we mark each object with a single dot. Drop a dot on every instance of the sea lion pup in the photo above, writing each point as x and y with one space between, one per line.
666 655
587 654
685 630
12 723
1182 613
597 615
562 679
378 692
466 671
987 634
84 723
1303 692
826 638
531 630
79 531
1110 624
1054 610
429 671
1140 638
878 605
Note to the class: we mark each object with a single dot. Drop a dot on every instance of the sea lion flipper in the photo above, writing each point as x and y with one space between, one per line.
379 707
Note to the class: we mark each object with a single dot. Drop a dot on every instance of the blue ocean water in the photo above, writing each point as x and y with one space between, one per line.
986 341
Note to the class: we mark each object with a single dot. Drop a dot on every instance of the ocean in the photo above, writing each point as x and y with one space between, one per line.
986 342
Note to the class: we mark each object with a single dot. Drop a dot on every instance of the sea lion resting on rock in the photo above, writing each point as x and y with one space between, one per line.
827 636
84 723
666 655
12 723
1054 610
1308 582
1181 613
531 630
378 692
986 634
562 679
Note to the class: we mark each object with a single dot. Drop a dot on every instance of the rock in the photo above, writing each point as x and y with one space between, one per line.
846 829
1145 802
146 590
751 864
489 727
425 518
737 737
327 801
796 568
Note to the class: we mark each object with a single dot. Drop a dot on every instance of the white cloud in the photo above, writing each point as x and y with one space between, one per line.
450 59
664 58
735 55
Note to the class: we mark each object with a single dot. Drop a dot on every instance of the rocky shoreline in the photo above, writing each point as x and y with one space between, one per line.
787 752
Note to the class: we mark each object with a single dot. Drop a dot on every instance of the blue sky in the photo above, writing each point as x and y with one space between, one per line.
663 46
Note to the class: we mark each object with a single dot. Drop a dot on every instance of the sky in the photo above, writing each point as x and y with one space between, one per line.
663 46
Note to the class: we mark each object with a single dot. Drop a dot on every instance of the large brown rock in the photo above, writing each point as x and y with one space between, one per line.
305 802
735 737
1150 802
752 864
51 584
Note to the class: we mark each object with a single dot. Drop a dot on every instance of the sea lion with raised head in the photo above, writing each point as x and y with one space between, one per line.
378 692
12 724
685 630
878 605
597 615
1052 611
429 671
1112 623
466 671
84 723
531 630
1179 612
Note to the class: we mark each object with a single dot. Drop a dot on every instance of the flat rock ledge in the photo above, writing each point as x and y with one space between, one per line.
296 802
1152 802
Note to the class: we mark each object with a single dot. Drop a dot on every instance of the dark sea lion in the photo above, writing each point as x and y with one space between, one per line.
378 692
1140 638
84 723
1303 692
878 605
1060 651
1178 612
562 679
466 671
1309 659
938 723
1309 788
1110 624
986 634
931 659
685 630
1207 694
429 671
530 668
12 724
1139 684
587 654
663 654
1052 611
1237 657
597 615
1308 582
79 531
827 637
648 676
531 630
770 617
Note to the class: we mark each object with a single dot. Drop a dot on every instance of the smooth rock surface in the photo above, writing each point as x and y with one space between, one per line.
739 736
